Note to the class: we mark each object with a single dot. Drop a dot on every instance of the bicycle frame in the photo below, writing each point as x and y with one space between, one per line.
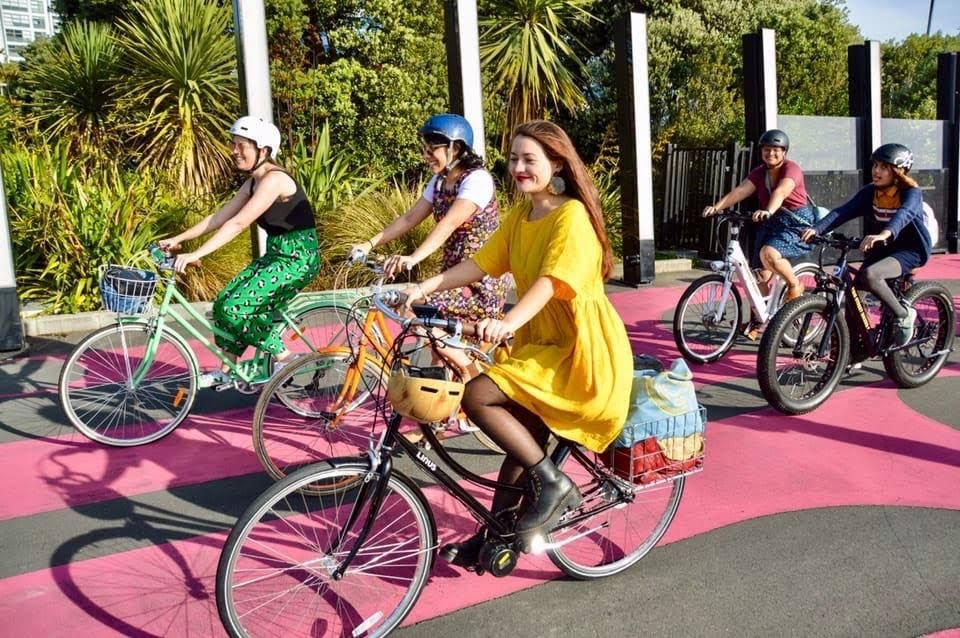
736 264
246 371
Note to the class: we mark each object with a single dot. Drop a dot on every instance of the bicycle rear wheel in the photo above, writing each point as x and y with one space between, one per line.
635 519
934 330
702 329
793 376
275 575
98 395
320 326
309 412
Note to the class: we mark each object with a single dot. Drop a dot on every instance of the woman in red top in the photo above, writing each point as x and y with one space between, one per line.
782 195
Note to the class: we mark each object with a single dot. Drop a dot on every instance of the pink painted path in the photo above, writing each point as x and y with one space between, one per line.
854 450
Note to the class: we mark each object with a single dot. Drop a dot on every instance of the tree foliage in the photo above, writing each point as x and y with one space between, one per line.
68 94
373 69
908 75
532 57
179 92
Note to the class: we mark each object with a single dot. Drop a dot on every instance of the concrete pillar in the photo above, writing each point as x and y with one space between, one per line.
11 329
636 170
253 66
463 66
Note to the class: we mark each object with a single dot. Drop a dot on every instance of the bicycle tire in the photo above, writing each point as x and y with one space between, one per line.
274 573
294 423
616 538
798 383
324 325
95 390
936 323
701 340
806 273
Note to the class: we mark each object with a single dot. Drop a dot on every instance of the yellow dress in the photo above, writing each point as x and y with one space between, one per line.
571 364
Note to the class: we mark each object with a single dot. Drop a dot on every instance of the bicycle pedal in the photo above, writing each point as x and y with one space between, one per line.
223 387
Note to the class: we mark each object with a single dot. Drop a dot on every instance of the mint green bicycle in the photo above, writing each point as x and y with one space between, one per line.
134 382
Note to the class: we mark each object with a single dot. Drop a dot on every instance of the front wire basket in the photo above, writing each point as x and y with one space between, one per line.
656 451
126 290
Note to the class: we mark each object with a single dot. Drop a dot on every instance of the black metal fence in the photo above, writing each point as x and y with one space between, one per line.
695 178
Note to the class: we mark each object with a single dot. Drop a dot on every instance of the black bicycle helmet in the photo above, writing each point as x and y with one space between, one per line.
775 137
894 154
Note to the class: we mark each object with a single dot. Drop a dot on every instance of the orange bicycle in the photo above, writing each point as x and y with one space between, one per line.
335 395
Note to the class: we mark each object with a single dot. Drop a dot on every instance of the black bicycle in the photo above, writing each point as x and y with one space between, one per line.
344 547
812 340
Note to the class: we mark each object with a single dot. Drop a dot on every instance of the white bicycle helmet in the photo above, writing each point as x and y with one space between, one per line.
262 133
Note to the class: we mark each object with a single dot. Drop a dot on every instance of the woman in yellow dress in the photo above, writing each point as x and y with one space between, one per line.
570 370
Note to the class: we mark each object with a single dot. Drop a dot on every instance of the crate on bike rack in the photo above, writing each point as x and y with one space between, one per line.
127 290
660 450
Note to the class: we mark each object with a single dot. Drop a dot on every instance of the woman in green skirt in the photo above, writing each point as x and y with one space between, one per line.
244 309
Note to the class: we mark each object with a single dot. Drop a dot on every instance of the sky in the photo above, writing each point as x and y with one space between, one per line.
883 20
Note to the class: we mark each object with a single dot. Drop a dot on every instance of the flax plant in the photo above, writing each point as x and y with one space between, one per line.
180 92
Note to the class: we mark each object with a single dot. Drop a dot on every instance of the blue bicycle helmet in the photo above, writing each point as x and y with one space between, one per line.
449 126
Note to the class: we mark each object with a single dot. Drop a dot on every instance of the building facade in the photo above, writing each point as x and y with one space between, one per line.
22 22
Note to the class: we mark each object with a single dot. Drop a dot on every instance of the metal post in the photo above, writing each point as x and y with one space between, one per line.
948 110
463 66
863 66
11 330
636 169
760 83
254 72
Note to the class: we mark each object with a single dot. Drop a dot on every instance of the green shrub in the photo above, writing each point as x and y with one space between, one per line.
64 225
364 217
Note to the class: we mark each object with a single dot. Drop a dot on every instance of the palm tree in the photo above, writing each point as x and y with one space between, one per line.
527 51
181 94
68 85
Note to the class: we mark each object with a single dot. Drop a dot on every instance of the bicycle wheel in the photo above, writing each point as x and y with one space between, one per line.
307 412
98 395
793 377
807 274
934 330
702 336
321 326
617 537
275 575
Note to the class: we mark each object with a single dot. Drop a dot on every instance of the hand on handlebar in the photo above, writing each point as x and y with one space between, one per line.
710 211
398 263
494 330
411 295
870 241
183 260
760 215
808 234
166 245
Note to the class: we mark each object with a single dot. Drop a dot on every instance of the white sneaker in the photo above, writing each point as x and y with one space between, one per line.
213 378
904 331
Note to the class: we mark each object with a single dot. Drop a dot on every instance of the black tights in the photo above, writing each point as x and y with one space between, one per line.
874 278
519 432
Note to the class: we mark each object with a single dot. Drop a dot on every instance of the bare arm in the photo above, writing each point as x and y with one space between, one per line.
270 188
780 194
215 220
743 190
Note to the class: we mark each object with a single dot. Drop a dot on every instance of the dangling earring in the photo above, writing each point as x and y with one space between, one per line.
556 186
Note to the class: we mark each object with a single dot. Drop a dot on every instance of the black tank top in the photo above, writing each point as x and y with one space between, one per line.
287 215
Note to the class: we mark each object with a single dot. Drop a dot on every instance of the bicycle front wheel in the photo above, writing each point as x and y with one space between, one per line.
322 405
794 376
933 333
319 327
100 398
705 324
631 520
276 572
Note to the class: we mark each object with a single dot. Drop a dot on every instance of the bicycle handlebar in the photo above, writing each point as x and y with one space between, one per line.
836 240
162 259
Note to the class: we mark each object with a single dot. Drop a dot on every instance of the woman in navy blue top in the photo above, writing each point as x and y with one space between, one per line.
892 199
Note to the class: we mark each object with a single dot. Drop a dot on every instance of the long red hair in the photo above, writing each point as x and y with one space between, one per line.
579 185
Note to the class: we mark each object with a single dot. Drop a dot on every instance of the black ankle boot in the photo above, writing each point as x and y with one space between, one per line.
467 553
551 494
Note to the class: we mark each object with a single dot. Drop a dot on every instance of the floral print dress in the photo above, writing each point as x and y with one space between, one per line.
484 298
